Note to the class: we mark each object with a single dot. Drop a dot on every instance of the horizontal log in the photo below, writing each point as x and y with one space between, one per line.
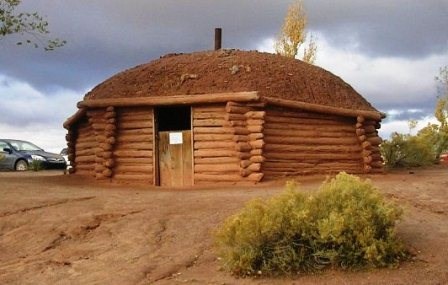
203 168
255 115
98 159
245 163
138 117
134 177
143 131
221 115
214 145
254 167
255 129
215 108
370 129
257 159
234 117
133 160
87 158
256 152
240 131
312 156
313 148
109 163
302 114
107 154
134 138
110 128
236 123
85 152
245 172
240 138
367 159
217 177
86 145
310 140
133 153
255 136
375 140
322 128
255 177
171 100
360 119
143 168
243 147
316 122
237 109
100 168
135 125
209 123
74 118
255 122
106 146
213 137
110 140
376 164
214 153
213 130
258 144
110 115
215 160
134 146
323 109
243 155
307 133
360 132
362 138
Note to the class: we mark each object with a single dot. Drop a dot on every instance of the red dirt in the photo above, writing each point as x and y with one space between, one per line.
59 229
232 71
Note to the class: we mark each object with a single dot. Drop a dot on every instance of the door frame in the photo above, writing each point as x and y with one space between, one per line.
156 145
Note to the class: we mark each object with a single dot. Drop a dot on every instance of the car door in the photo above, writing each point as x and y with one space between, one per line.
6 159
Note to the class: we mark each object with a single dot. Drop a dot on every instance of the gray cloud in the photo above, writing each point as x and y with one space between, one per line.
105 37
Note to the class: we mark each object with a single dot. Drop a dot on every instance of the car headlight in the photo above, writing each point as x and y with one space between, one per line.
38 157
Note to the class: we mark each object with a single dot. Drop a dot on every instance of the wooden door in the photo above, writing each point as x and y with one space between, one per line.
175 158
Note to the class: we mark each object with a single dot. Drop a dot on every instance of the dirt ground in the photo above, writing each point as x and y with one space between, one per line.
57 229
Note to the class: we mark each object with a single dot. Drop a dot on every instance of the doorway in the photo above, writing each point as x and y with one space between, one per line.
174 146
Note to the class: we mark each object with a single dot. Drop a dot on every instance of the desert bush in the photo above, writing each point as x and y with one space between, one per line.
407 151
346 223
36 165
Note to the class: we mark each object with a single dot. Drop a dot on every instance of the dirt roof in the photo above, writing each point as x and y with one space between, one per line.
232 71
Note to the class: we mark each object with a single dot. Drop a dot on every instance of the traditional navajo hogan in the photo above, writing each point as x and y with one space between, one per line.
222 117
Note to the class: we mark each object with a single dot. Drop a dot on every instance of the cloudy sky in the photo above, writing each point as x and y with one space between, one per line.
389 51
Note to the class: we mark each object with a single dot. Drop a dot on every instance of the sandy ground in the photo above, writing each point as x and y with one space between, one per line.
57 229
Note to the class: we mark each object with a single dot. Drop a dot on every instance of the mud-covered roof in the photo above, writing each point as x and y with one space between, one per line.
232 71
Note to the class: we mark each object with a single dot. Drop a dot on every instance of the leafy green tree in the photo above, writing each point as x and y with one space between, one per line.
32 24
293 34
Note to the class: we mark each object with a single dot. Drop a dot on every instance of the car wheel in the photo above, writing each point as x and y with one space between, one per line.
21 165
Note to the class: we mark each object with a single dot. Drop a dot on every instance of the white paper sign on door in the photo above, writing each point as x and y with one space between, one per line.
176 138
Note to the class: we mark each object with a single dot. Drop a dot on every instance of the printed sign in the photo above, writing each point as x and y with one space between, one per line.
176 138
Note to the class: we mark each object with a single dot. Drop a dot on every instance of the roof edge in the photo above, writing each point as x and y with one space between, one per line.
74 118
375 115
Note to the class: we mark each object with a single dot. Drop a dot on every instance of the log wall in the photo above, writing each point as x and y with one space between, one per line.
133 152
367 133
215 158
81 148
301 142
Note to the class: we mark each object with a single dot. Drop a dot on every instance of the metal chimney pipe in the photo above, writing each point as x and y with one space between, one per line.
218 38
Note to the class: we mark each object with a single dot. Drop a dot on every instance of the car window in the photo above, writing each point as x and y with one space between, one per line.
3 145
22 145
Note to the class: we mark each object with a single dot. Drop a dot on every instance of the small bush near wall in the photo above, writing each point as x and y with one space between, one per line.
407 151
347 224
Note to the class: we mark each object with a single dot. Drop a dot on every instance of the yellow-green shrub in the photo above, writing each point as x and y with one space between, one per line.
346 223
